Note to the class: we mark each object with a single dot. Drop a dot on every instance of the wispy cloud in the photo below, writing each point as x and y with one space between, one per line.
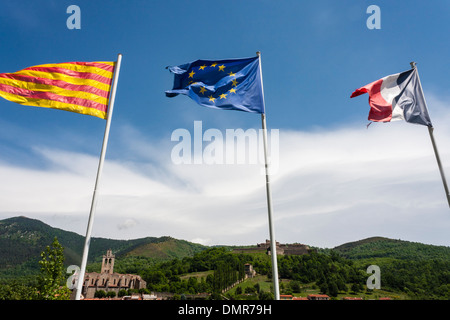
332 186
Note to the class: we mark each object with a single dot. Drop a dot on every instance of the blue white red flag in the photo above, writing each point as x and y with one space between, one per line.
396 97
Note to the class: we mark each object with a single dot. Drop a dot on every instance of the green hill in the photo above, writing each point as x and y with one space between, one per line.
419 270
413 270
379 247
23 239
165 248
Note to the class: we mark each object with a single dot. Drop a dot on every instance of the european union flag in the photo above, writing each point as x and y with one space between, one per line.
233 84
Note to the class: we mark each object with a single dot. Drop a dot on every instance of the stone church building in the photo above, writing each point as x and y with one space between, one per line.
107 280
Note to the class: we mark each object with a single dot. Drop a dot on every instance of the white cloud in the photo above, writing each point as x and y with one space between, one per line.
332 186
127 224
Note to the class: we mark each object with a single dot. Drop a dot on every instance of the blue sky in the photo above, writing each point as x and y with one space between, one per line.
337 181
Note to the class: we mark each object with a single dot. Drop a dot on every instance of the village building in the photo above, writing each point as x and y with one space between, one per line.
107 280
318 297
282 249
249 271
285 249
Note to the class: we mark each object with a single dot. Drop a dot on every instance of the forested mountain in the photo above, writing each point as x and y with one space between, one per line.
379 247
417 270
420 270
23 239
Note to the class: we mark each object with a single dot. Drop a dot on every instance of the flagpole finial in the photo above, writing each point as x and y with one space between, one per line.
258 53
413 64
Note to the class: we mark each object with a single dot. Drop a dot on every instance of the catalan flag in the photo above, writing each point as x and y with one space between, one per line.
233 84
81 87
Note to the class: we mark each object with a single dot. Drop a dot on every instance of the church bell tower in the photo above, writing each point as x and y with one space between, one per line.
108 262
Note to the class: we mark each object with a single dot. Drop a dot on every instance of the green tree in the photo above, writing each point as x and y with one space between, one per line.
122 292
295 286
263 295
100 294
355 288
238 290
52 276
323 287
17 291
333 288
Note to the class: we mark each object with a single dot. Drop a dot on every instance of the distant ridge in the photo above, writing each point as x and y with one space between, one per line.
23 239
380 247
350 245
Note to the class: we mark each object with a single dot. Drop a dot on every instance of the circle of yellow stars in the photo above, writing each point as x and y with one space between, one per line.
221 68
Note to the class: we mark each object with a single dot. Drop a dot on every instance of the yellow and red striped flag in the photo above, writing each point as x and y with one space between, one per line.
81 87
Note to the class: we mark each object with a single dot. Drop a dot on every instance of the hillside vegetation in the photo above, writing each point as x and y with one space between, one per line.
419 270
379 247
408 270
23 239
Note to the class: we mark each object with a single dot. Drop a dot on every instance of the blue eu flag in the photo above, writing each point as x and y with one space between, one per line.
233 84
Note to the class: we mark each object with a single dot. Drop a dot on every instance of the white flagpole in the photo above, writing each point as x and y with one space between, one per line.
99 172
430 131
441 170
273 247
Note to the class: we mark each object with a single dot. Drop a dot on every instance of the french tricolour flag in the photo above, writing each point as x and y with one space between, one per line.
396 97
